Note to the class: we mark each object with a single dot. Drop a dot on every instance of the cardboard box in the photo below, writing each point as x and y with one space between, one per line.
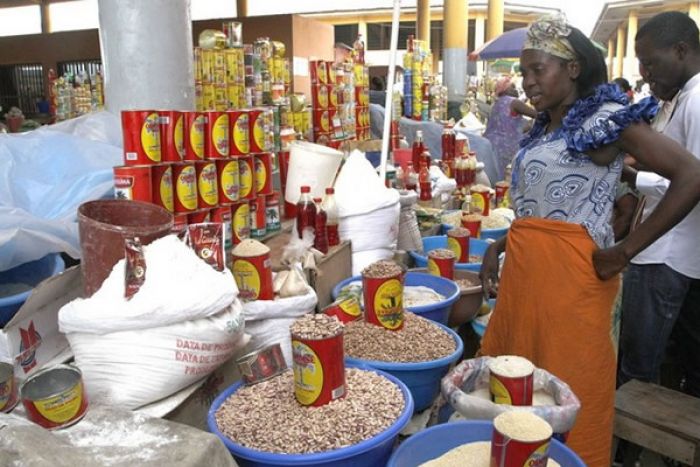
31 339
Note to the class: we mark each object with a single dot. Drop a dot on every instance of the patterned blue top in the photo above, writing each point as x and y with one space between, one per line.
554 179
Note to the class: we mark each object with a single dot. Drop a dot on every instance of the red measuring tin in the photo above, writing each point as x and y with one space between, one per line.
239 132
263 173
207 186
141 136
509 448
8 387
172 135
252 270
54 397
195 131
472 222
258 126
185 183
382 289
229 181
246 178
346 310
458 242
162 186
240 213
441 262
511 380
216 142
133 182
481 200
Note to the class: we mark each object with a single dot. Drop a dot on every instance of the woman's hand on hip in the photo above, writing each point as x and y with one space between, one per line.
609 261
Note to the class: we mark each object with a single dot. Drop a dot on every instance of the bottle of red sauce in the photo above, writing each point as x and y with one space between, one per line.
426 196
417 149
321 238
411 178
330 207
306 211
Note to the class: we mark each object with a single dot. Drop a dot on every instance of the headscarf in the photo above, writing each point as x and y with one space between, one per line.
502 85
550 35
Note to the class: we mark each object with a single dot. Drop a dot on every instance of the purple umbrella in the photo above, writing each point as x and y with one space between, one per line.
507 45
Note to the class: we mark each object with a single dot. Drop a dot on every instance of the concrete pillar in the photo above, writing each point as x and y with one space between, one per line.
620 52
140 72
479 39
241 8
362 31
494 25
454 67
423 21
694 11
630 68
611 58
435 49
45 17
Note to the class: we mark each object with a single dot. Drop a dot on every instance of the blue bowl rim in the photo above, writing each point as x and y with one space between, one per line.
416 366
490 231
58 266
319 457
481 423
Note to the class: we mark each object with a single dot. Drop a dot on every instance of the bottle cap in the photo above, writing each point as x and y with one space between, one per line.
306 189
330 190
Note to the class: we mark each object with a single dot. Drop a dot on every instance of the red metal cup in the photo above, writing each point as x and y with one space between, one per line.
246 178
240 213
54 397
207 186
133 182
384 301
263 173
253 276
194 132
216 141
229 182
481 201
185 183
513 388
458 242
141 136
8 387
507 451
162 186
473 226
502 189
172 135
319 369
345 310
441 262
239 132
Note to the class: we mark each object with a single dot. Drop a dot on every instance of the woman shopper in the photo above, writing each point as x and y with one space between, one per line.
560 277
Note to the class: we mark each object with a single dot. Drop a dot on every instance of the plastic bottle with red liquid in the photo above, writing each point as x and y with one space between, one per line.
411 178
330 207
460 166
470 174
306 211
321 237
426 195
417 149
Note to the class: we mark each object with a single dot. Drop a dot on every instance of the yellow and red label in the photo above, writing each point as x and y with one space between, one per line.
220 136
259 133
240 133
388 304
8 394
150 137
319 370
308 373
163 186
245 175
241 222
178 137
207 184
247 278
228 180
185 188
456 245
196 136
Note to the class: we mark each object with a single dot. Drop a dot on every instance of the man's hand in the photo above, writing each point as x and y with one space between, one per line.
489 272
609 261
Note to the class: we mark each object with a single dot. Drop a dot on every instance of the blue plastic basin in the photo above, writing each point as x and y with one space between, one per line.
485 234
476 247
373 452
422 378
437 440
31 274
479 328
438 311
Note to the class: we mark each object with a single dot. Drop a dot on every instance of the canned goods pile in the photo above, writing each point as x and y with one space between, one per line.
267 417
74 95
417 77
419 341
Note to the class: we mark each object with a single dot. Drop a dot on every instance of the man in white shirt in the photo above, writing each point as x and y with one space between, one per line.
662 285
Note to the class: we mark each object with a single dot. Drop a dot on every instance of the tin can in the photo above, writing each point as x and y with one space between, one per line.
318 71
258 124
185 182
54 397
514 451
345 310
472 222
319 96
481 200
197 64
263 173
207 186
207 65
514 386
502 194
8 387
272 213
253 274
262 364
220 97
322 122
208 96
141 136
199 216
171 135
229 182
240 213
383 297
246 178
458 242
194 132
216 142
441 262
319 370
239 129
133 182
198 99
179 224
162 186
258 222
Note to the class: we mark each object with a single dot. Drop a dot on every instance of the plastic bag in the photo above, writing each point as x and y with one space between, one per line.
472 375
409 238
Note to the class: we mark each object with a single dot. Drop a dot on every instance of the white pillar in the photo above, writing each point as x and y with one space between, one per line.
147 54
479 39
454 65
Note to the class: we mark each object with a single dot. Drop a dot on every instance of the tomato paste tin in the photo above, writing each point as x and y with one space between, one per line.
511 380
141 137
262 364
199 216
258 222
382 289
172 135
252 269
246 178
317 359
511 447
133 182
272 212
8 387
162 186
207 186
222 215
502 193
319 72
263 173
194 132
54 397
345 310
216 142
240 213
319 97
239 130
441 262
458 242
322 122
229 181
259 123
481 199
185 183
472 222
